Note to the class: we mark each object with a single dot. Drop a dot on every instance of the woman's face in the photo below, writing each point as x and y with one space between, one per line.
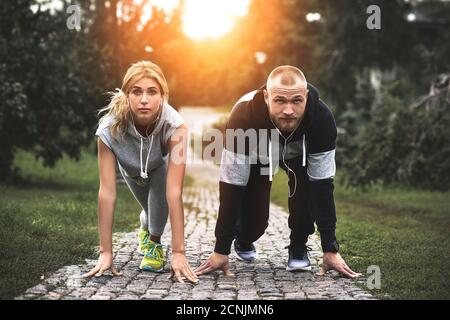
145 98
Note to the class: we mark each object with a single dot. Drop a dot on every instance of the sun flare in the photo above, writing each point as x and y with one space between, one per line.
201 19
206 19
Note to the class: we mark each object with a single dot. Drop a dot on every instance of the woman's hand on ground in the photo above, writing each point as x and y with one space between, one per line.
105 262
180 268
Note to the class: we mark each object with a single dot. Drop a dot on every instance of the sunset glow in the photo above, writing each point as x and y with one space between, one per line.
203 19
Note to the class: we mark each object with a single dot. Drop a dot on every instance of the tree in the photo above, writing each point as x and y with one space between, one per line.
48 100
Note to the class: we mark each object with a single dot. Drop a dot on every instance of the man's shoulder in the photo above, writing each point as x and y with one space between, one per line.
247 97
323 114
322 133
241 116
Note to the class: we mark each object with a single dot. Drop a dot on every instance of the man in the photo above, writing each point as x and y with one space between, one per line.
307 140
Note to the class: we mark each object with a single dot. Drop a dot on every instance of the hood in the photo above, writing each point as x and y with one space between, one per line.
261 116
131 129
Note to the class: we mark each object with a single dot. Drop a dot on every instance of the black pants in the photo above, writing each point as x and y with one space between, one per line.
254 215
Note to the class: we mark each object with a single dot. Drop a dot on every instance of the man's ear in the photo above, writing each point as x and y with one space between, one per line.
266 96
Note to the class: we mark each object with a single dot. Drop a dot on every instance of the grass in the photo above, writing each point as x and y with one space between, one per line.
404 232
52 220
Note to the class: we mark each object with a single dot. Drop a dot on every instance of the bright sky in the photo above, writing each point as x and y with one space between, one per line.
212 18
202 19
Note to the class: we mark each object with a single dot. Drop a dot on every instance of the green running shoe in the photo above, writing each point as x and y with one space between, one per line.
154 259
144 246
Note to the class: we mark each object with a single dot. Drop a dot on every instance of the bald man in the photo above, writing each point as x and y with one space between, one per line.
304 146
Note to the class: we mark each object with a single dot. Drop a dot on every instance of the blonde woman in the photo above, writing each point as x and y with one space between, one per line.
148 140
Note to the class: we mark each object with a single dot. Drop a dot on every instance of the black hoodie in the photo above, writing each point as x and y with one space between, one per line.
314 141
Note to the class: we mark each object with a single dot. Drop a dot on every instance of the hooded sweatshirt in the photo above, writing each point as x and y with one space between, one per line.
314 142
137 155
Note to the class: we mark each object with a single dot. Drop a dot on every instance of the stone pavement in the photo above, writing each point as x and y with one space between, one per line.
264 279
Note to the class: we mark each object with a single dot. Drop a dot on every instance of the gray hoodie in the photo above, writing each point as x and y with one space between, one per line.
138 155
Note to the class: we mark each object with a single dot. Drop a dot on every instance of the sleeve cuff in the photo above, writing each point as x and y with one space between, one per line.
331 246
223 246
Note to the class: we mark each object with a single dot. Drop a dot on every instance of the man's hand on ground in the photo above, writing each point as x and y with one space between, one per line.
334 261
215 262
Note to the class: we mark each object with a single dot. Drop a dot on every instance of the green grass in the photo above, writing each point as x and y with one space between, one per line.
404 232
52 220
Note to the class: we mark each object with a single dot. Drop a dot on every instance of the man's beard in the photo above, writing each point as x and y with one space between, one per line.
286 126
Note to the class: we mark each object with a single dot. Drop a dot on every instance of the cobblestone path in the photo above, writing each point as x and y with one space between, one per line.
264 279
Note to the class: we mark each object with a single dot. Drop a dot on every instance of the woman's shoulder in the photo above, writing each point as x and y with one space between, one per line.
172 116
105 122
170 111
170 122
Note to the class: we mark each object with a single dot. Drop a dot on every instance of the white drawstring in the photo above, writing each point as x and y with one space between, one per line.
144 174
289 169
270 160
283 153
304 152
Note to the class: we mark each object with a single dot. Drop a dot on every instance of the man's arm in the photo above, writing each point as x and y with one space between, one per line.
324 211
234 175
321 170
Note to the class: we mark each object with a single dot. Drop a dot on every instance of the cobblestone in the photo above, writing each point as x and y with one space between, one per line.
263 279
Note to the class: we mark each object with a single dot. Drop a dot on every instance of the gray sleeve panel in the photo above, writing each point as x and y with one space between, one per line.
247 97
321 165
234 168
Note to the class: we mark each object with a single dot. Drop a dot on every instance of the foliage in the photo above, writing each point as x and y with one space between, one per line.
48 100
403 144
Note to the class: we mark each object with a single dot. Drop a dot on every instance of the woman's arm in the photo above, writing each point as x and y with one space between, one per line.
106 207
177 145
106 195
175 177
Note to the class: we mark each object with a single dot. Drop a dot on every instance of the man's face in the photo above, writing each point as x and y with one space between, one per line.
286 104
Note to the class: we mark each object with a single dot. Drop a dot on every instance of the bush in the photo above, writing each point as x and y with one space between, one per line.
401 144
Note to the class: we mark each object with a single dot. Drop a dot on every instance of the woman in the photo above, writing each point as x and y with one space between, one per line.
148 140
